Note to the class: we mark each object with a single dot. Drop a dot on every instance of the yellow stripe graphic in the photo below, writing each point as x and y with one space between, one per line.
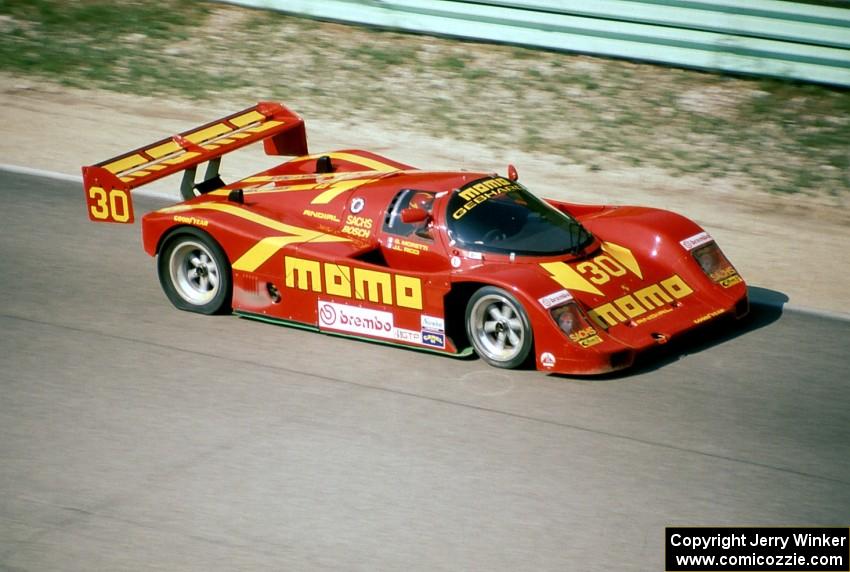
125 163
567 277
208 133
163 150
624 256
258 254
372 164
247 119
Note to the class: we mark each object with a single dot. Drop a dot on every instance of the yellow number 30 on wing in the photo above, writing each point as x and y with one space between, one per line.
109 206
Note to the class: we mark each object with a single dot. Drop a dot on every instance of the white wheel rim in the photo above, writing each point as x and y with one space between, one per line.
497 328
194 272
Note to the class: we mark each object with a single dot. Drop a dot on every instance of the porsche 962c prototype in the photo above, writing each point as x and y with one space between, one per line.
355 244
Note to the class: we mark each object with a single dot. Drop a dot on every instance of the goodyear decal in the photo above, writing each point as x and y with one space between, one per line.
708 316
356 283
191 220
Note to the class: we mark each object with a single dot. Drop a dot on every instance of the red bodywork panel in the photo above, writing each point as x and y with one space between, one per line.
311 244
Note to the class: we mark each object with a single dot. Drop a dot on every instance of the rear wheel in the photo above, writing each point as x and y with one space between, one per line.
194 272
498 328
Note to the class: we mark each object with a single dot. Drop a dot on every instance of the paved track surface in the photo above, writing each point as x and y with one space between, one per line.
135 437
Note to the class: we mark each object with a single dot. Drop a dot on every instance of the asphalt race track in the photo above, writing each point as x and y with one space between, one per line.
134 436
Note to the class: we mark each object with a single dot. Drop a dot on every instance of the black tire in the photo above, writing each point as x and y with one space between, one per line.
498 328
194 272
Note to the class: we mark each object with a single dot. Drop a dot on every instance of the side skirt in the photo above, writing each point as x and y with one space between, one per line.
464 353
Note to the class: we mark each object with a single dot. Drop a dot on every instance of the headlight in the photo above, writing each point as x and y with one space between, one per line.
573 323
567 317
713 262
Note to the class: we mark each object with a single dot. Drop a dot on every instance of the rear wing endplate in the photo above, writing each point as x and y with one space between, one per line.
108 184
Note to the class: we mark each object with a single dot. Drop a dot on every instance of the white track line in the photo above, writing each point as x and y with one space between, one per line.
755 297
79 180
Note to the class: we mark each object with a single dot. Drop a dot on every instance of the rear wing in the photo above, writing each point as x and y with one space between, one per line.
108 184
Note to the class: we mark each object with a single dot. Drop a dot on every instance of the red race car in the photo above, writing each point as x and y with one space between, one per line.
355 244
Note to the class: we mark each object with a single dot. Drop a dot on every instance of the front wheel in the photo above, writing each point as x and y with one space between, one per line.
194 272
498 328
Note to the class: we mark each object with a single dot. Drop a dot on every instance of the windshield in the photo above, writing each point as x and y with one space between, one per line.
499 215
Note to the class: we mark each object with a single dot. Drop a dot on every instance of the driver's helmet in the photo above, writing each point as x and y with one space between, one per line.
422 200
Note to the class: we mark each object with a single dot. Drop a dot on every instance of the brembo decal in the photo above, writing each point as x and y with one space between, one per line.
696 240
555 298
344 318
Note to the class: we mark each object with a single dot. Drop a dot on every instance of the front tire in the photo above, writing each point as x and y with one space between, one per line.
194 272
498 328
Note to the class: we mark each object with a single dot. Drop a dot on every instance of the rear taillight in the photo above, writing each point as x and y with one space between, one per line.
715 265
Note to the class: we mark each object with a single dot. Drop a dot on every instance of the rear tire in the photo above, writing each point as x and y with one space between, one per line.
194 272
498 328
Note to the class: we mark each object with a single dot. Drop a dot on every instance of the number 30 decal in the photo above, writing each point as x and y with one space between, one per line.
113 205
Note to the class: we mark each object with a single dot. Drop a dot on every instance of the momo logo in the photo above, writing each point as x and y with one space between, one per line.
343 318
354 282
654 299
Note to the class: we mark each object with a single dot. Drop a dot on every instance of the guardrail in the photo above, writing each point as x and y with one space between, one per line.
759 37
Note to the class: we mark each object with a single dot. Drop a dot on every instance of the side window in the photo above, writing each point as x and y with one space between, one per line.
408 198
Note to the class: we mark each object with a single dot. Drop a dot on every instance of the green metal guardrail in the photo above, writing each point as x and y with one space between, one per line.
760 37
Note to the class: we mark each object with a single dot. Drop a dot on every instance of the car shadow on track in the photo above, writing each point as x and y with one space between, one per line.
766 307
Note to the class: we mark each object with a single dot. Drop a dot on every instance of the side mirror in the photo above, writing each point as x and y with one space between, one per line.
411 215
